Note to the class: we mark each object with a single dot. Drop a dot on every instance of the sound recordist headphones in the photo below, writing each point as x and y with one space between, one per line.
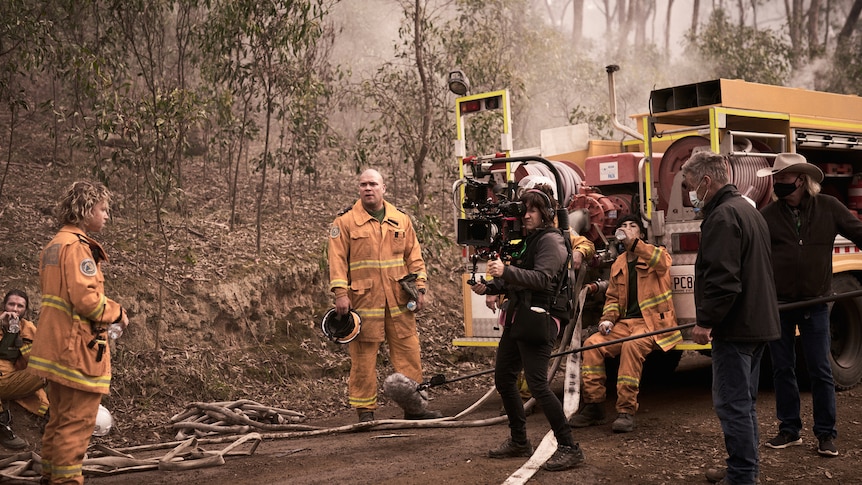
548 212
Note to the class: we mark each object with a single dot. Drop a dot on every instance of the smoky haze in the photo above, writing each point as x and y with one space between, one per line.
370 29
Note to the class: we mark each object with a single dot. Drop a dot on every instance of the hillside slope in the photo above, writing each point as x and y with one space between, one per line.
210 319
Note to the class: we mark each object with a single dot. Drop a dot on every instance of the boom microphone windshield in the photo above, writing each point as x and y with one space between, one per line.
404 391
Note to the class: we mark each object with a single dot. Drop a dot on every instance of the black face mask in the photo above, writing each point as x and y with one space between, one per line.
783 190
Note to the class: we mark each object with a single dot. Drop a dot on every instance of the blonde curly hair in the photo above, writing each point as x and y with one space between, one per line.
78 202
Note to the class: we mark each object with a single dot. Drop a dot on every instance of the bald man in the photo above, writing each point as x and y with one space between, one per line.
372 245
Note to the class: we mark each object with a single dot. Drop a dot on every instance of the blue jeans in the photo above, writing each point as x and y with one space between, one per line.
735 377
813 323
512 355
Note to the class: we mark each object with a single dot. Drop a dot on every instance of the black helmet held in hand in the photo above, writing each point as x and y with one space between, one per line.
341 328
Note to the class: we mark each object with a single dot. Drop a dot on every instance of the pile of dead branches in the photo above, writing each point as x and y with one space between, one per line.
234 417
186 455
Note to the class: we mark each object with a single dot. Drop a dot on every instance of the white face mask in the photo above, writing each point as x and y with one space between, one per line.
696 202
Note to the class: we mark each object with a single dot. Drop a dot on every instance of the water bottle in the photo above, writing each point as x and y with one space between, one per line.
620 235
411 305
115 331
14 324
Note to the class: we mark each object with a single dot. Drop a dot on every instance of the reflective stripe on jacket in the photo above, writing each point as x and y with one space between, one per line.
366 260
14 353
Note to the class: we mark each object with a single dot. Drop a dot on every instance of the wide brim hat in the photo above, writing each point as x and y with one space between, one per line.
792 163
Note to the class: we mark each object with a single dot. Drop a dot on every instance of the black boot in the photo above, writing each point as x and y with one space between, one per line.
564 458
7 437
511 449
590 415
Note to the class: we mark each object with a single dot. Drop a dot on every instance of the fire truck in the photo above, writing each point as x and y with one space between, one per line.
599 181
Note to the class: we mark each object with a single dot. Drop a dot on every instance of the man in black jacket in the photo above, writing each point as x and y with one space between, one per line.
803 224
735 303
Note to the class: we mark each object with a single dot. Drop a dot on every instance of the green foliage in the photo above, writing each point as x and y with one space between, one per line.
845 75
491 59
408 99
306 109
503 44
482 132
598 121
742 52
261 53
154 112
25 39
432 238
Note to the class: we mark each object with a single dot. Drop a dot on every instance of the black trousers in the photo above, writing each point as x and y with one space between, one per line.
512 356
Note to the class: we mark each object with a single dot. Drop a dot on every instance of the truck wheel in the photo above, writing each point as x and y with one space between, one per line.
845 320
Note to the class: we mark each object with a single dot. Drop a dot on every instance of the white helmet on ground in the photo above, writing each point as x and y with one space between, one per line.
104 422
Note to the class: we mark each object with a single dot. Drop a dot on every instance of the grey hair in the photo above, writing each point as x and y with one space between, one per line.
709 164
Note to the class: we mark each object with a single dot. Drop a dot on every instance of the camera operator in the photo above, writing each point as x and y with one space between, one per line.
531 285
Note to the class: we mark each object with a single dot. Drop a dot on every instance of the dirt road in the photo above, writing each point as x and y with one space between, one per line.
677 438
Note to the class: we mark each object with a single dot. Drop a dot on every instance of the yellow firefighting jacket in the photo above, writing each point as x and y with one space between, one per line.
12 356
585 246
75 313
366 260
654 291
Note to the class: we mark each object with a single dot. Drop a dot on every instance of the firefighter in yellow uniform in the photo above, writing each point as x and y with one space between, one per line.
638 300
584 248
371 247
71 349
16 383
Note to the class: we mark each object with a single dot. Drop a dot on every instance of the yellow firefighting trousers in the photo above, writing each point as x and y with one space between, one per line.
403 353
26 389
67 435
632 355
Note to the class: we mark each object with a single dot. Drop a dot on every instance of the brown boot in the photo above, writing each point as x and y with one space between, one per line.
625 423
590 415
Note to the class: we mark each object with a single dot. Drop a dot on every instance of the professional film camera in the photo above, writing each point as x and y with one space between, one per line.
491 219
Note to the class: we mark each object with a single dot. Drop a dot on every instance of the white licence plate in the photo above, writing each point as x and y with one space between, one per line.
682 282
